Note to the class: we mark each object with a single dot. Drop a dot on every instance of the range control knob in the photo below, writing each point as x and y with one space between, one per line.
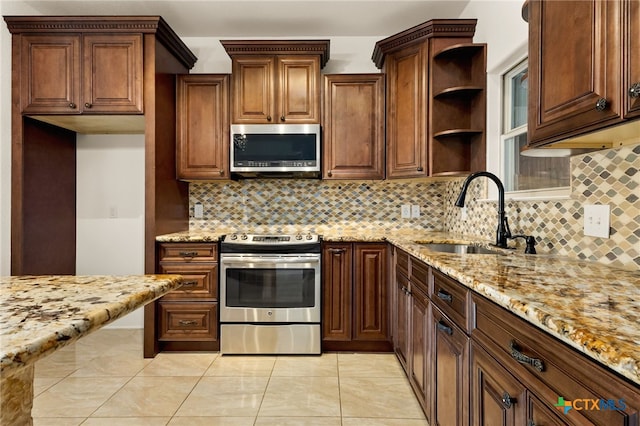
233 237
298 237
243 237
309 236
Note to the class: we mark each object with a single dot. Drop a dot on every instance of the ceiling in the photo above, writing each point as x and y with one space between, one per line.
246 18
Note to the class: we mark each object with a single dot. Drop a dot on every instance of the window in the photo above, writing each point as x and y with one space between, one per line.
526 176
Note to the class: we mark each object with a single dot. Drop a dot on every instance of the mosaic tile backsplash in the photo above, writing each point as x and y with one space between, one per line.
604 177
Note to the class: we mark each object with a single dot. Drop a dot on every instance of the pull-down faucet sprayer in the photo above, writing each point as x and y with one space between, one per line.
503 233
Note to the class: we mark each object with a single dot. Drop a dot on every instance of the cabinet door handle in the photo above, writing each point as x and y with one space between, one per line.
601 104
531 423
444 296
507 400
221 171
536 363
282 118
268 118
337 250
444 327
634 90
72 105
188 322
329 173
188 253
189 283
420 168
87 105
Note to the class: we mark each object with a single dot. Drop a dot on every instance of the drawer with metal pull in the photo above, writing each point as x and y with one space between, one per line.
188 321
199 281
188 252
452 298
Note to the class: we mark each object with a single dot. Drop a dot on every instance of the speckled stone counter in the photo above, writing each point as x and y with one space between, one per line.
39 314
593 307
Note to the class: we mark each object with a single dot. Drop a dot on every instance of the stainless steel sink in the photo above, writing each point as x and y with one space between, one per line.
458 248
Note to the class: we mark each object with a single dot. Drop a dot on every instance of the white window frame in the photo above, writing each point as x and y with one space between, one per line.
506 169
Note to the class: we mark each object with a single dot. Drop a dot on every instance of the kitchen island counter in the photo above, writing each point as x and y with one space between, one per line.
40 314
593 307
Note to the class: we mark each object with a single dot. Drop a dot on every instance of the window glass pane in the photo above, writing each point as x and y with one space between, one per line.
527 173
519 99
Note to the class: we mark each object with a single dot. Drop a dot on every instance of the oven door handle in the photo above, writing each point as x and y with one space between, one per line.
277 261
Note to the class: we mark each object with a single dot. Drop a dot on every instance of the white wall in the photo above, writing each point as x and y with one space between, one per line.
110 209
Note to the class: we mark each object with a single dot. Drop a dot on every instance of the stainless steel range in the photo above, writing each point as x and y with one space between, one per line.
270 294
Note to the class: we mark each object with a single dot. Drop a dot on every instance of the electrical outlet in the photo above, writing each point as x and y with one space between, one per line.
596 220
198 211
113 212
405 211
415 210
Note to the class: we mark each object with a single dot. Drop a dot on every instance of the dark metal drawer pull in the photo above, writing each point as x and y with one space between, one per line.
337 250
507 400
188 322
444 327
444 296
524 359
189 283
188 253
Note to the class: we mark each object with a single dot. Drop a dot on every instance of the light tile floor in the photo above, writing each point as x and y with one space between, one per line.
103 380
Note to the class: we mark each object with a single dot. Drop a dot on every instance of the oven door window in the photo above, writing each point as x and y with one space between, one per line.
270 288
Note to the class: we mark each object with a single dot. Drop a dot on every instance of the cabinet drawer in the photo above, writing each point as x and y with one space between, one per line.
452 298
199 281
188 321
402 262
552 370
420 274
188 252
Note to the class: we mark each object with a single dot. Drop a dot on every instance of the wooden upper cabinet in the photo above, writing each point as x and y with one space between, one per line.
436 102
112 73
632 55
202 145
51 70
75 73
406 118
353 131
575 60
276 82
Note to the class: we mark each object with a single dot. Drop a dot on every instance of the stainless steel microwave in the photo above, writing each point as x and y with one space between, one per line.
275 150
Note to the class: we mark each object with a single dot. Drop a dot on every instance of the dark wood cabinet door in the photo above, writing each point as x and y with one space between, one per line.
631 89
112 73
253 91
353 126
401 320
420 345
337 292
202 145
51 67
498 399
406 112
450 371
371 304
539 414
574 67
298 89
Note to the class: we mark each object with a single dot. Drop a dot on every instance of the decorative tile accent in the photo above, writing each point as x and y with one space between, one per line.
609 176
258 204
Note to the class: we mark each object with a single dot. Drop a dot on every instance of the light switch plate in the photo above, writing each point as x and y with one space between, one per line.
596 220
415 210
405 211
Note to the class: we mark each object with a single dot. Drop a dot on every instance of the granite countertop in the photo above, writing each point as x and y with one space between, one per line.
39 314
593 307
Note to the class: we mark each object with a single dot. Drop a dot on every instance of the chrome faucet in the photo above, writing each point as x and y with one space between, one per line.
503 233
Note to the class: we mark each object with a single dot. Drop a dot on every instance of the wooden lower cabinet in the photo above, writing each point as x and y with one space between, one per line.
187 318
450 369
401 320
355 302
498 398
420 376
